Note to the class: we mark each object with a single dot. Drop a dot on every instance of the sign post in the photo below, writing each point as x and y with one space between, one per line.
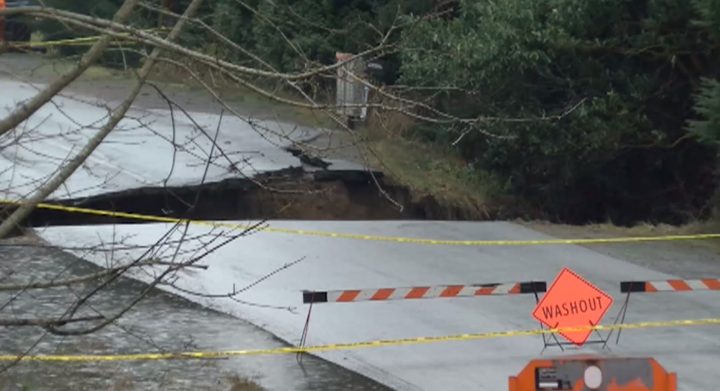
572 302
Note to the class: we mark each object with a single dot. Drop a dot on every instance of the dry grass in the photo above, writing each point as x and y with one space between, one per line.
607 230
237 95
426 169
49 70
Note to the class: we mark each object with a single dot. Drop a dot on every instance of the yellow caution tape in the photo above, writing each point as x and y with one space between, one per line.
80 41
62 42
353 345
378 238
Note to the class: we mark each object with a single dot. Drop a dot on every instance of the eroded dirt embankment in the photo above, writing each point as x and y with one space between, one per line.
294 194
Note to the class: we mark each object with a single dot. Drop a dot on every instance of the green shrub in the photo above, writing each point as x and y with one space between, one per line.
622 154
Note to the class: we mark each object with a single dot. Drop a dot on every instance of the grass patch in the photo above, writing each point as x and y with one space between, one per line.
609 230
251 101
606 230
236 95
175 79
430 169
55 67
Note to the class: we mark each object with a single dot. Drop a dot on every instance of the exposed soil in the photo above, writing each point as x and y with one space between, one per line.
293 194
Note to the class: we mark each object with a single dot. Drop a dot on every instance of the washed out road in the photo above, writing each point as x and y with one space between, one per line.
147 150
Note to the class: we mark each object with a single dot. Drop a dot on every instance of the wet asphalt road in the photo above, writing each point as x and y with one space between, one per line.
161 322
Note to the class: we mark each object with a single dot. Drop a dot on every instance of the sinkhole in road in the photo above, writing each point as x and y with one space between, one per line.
292 194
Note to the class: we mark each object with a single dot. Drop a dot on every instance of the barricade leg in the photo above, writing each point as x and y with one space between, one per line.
303 337
621 316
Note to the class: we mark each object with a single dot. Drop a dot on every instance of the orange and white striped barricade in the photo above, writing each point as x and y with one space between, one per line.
662 286
423 292
416 293
594 373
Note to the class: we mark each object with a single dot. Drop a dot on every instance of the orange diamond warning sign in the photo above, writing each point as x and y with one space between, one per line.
572 302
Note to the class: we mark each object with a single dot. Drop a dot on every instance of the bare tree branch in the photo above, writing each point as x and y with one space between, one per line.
45 322
26 109
22 212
